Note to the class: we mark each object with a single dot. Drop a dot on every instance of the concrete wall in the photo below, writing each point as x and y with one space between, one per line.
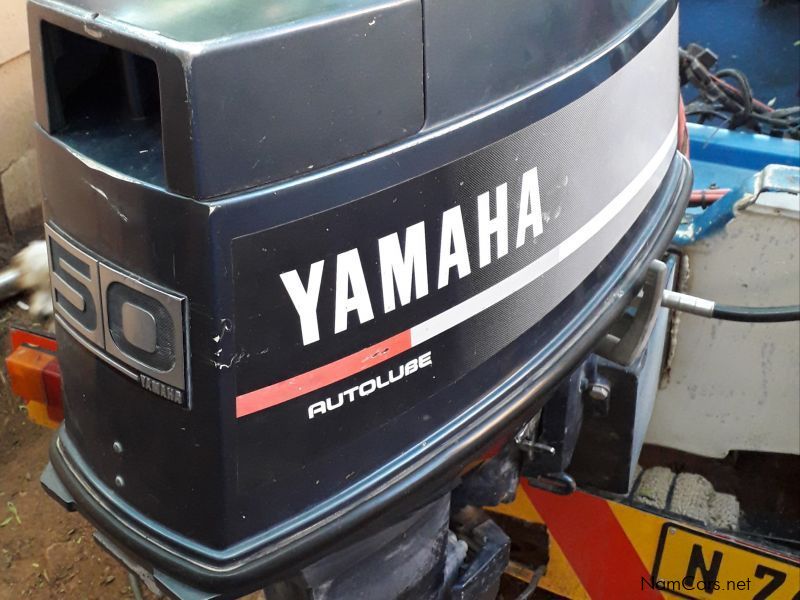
20 196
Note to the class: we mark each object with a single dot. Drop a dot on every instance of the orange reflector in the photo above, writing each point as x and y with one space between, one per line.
36 378
37 413
52 387
25 366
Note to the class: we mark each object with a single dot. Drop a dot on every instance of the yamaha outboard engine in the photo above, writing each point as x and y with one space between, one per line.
313 261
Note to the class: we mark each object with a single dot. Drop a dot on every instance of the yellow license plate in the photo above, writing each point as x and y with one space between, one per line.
696 565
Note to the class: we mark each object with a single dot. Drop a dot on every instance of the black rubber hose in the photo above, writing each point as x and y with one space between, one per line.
771 314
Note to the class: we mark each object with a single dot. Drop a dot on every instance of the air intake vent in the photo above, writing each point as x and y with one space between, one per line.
104 102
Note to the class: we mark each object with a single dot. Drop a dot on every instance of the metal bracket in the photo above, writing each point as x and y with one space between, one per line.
556 483
629 334
776 187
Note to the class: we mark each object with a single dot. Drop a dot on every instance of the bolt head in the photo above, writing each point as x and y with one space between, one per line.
599 391
119 481
117 447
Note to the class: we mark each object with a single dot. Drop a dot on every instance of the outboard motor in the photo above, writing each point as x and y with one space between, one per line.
311 261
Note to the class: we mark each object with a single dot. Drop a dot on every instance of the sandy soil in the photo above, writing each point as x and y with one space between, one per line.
45 552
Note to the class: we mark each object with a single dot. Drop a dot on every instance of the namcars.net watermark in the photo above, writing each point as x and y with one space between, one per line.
688 584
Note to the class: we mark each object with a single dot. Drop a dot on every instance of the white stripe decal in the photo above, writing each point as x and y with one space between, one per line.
302 384
503 289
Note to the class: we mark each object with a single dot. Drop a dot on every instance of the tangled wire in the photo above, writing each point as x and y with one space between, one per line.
726 95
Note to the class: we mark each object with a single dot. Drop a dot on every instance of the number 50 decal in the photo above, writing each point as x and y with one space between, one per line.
129 323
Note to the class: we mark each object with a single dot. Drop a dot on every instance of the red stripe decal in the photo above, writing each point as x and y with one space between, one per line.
325 375
594 543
